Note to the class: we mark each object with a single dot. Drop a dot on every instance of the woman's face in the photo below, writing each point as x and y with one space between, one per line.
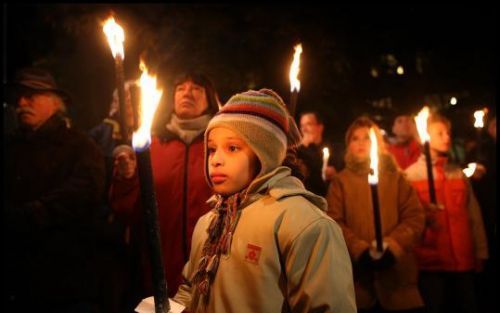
190 100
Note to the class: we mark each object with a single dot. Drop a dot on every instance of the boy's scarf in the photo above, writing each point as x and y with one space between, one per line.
220 233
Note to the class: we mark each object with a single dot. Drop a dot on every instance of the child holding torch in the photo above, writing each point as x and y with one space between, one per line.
384 280
454 243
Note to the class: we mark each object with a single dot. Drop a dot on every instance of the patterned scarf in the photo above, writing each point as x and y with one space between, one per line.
220 233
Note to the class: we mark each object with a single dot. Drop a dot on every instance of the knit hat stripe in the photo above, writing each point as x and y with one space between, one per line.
277 119
255 102
258 100
245 118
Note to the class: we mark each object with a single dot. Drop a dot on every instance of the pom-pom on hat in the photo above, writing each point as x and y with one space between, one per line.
262 120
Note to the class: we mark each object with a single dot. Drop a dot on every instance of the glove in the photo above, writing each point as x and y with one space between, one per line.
386 261
430 215
365 260
375 260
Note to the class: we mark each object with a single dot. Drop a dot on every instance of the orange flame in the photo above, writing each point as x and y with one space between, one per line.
373 175
295 68
421 122
150 98
116 36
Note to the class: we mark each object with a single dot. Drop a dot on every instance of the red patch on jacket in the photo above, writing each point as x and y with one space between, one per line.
253 253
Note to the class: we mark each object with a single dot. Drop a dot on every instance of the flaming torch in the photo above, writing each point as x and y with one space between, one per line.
373 181
326 156
294 82
421 121
479 124
116 36
141 139
469 171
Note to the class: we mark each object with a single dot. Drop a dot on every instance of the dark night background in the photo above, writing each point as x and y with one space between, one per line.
445 50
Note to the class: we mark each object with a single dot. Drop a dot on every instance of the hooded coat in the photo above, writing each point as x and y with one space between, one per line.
402 219
286 254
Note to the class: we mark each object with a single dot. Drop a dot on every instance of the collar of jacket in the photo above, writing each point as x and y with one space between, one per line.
51 126
166 135
440 161
362 167
278 184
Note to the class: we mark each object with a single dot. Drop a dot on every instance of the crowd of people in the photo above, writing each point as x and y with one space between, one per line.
253 217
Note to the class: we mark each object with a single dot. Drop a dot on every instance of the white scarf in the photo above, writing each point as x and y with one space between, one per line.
188 129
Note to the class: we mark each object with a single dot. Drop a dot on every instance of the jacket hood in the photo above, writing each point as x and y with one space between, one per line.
278 184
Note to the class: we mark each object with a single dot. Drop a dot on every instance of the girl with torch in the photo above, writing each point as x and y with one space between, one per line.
381 219
454 244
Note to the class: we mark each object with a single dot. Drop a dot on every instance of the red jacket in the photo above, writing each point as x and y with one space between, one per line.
405 154
181 192
456 238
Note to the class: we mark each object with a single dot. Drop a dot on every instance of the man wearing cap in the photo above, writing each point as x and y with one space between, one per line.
53 181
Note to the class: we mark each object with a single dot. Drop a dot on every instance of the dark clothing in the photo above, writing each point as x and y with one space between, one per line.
107 136
312 158
485 189
448 292
181 192
53 183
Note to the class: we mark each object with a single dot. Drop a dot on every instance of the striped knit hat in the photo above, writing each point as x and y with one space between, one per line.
262 120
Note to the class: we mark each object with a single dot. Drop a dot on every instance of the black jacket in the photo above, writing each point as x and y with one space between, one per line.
53 180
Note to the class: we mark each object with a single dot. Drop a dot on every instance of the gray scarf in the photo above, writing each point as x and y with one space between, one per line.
188 130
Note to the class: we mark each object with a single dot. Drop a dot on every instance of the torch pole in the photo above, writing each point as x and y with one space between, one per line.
430 175
293 102
376 217
148 198
120 86
478 144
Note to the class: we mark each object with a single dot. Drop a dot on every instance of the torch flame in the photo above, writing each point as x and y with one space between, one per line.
373 175
471 168
421 121
295 68
326 153
116 36
150 97
479 115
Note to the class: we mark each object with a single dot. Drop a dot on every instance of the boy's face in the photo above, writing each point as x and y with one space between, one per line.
404 127
360 143
440 139
232 165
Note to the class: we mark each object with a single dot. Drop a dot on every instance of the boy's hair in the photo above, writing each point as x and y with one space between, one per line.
316 115
261 119
361 122
438 118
